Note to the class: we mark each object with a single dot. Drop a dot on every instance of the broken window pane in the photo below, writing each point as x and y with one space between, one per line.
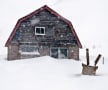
54 53
59 52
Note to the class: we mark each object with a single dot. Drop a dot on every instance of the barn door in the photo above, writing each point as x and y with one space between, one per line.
59 52
62 53
54 52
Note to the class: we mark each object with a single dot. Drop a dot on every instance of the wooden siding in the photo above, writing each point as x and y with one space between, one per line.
56 31
57 34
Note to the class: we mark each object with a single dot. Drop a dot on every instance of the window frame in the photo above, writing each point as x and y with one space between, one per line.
40 30
58 49
23 51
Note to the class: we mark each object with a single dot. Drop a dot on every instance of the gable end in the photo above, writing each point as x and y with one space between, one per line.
45 7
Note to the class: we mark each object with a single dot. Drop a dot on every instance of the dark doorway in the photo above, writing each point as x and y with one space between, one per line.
59 52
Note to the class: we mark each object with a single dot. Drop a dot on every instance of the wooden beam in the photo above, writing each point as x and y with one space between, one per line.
97 59
87 56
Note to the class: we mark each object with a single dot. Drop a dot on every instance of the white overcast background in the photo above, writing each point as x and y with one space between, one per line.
89 18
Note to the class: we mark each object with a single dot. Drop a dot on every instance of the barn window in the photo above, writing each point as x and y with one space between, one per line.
59 52
39 30
29 49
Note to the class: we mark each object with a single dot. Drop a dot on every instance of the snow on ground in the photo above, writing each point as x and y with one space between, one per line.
89 18
46 73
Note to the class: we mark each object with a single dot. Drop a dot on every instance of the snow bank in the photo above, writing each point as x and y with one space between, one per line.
46 73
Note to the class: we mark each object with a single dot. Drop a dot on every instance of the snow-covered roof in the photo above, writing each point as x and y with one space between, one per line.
45 7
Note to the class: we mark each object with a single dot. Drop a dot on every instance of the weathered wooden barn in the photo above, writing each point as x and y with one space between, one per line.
43 32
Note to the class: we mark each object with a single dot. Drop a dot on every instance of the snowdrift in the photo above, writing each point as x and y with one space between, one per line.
46 73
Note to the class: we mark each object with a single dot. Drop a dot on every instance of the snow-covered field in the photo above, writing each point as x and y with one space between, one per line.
89 18
46 73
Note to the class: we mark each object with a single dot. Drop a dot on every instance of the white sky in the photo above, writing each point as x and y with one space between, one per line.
89 18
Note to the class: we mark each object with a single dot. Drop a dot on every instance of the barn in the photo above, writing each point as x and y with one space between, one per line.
43 32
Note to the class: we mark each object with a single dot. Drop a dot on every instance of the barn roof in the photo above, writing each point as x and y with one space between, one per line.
45 7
